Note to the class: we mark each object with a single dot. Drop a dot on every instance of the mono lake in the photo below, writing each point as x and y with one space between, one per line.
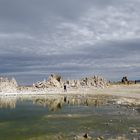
50 118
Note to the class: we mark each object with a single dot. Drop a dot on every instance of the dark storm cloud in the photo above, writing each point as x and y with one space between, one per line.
71 37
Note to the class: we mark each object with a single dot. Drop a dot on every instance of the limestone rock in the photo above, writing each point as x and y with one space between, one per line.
125 80
134 131
8 85
54 80
94 81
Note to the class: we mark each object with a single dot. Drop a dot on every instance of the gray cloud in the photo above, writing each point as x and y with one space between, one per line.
74 38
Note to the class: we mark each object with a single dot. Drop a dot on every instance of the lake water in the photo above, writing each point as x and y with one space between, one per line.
58 118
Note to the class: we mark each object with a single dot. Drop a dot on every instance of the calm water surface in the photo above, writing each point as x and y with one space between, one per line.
53 118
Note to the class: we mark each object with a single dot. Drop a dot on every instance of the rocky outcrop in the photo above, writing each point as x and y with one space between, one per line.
8 85
125 80
94 81
55 80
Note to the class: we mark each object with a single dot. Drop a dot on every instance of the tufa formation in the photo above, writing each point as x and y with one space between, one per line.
56 81
8 85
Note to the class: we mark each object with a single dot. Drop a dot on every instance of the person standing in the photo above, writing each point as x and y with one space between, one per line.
65 88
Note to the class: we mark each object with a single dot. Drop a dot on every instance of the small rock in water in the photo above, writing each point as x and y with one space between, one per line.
134 131
59 137
84 137
100 138
107 124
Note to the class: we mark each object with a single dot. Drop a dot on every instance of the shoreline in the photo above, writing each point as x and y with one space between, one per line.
118 95
128 91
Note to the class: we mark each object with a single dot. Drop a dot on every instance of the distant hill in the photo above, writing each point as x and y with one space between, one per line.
138 81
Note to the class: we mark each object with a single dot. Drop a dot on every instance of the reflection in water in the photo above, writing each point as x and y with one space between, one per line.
54 104
8 102
138 110
35 122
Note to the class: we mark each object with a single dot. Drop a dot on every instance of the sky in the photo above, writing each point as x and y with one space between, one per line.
73 38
